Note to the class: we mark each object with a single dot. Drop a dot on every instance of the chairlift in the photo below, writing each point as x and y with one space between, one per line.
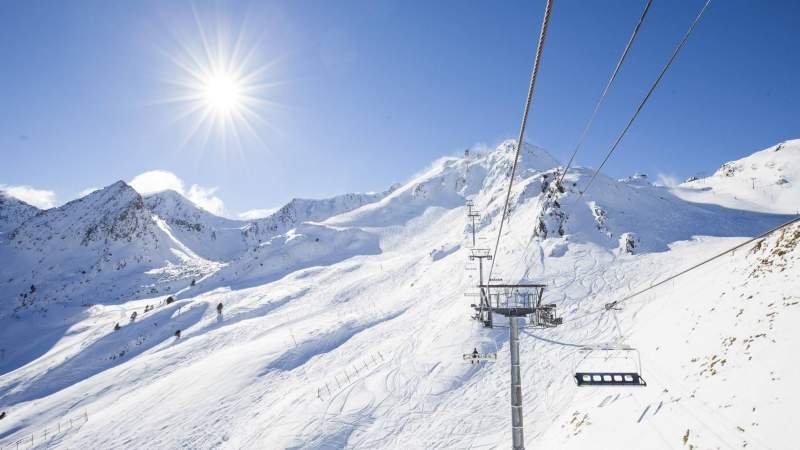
609 365
544 316
475 357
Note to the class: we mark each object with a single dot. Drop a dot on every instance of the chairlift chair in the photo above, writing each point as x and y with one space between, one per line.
544 316
475 357
609 365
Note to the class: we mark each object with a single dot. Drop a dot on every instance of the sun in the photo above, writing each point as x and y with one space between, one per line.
220 87
223 92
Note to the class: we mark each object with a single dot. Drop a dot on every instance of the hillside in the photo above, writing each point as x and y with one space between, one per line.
13 212
344 326
105 242
220 239
768 180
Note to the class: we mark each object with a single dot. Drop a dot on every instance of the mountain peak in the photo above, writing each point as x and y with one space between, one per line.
14 212
116 211
531 157
166 202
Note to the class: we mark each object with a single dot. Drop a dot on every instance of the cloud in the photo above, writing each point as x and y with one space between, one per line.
162 180
156 181
37 197
87 191
667 180
204 197
254 214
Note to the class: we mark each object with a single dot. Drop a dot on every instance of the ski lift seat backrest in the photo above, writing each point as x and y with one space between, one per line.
604 375
609 379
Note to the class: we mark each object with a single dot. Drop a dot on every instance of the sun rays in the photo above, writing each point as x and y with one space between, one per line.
220 85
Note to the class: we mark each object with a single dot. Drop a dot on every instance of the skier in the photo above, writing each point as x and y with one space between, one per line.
133 316
475 355
178 334
219 308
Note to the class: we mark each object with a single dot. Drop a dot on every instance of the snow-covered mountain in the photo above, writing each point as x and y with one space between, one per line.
100 248
220 239
344 323
116 242
300 210
768 180
212 237
13 212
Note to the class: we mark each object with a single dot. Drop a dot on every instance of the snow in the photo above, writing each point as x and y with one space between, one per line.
345 321
13 212
220 239
768 180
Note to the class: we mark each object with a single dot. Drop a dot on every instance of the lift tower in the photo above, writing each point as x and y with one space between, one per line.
483 310
472 214
520 302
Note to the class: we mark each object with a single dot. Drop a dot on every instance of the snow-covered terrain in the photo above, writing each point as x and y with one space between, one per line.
344 322
764 181
13 212
219 239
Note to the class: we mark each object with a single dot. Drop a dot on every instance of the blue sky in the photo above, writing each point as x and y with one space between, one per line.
363 94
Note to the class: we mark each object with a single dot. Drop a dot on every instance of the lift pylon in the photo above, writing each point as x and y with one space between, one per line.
518 302
472 214
484 313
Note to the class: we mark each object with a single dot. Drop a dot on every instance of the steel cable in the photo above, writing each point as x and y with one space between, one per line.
685 271
534 72
605 91
646 97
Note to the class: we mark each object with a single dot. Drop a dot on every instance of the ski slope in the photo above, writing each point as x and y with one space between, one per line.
348 332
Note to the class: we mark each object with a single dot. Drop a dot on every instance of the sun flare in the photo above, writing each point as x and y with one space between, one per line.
221 88
222 92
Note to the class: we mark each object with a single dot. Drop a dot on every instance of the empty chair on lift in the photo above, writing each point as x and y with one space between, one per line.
609 365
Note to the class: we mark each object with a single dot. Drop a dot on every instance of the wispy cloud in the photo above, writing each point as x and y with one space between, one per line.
667 180
254 214
156 181
40 198
204 197
162 180
87 191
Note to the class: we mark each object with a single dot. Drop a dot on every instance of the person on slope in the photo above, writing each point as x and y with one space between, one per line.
219 308
475 355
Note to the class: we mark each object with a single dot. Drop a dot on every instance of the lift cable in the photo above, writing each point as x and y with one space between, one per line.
534 73
553 341
683 272
646 98
605 92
